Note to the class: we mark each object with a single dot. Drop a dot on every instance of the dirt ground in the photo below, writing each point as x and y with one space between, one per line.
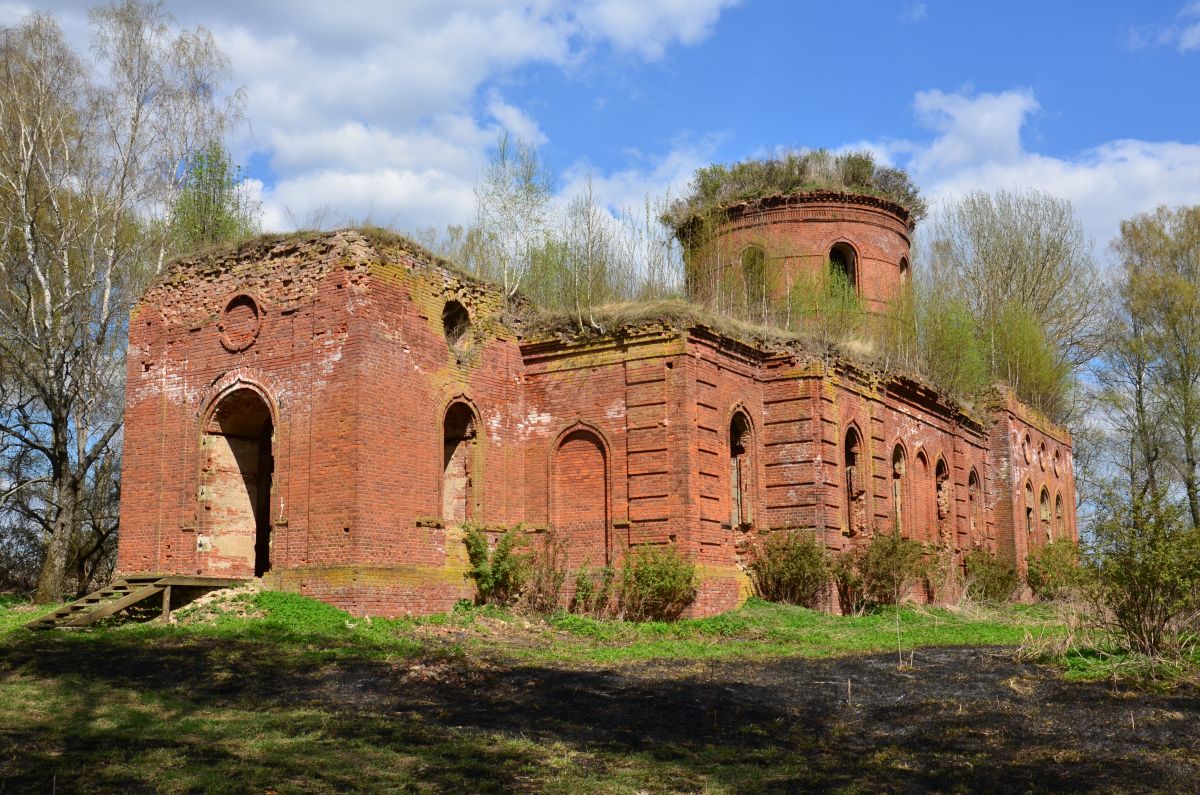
956 720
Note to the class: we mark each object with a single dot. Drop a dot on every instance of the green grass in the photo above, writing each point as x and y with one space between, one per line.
260 695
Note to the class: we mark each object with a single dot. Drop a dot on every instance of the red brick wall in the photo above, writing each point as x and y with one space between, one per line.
614 441
797 234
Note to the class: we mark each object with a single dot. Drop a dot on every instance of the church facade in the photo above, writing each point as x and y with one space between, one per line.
326 411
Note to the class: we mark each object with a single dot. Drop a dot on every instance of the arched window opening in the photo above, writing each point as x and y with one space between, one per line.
904 274
1059 527
856 485
754 276
741 472
458 464
974 510
843 266
1029 527
920 484
456 322
1047 532
944 501
579 507
239 467
899 465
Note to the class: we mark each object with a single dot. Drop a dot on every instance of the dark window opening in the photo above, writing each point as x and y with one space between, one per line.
1047 532
740 471
944 500
974 503
457 323
843 267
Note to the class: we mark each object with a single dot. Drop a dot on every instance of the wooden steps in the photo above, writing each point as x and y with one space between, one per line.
123 593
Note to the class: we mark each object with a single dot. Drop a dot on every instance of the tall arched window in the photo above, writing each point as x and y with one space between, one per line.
741 472
1029 527
1059 526
899 474
921 504
856 485
1047 533
843 266
904 274
754 276
458 464
974 510
944 501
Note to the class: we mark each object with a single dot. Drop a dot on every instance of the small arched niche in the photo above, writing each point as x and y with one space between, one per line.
741 471
459 445
843 267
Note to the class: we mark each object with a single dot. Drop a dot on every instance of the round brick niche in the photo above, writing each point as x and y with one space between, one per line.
240 323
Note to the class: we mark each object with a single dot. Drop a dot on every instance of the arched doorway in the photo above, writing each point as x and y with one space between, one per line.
458 464
740 471
239 466
579 511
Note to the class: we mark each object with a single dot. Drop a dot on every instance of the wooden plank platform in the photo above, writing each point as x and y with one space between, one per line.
123 593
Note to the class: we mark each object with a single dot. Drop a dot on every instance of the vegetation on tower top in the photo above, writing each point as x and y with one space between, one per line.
794 172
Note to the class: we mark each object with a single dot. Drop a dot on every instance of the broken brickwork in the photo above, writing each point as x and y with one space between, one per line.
326 411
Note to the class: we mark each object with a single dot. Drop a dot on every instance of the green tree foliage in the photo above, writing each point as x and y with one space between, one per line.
90 154
1022 265
1055 570
882 571
951 353
213 206
1145 561
499 571
657 583
990 579
791 567
1160 348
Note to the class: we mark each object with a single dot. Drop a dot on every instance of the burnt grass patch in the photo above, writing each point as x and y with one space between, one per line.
183 713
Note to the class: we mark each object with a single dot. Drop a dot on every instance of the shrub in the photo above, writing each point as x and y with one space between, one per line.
1055 570
990 579
593 591
848 579
499 572
1146 573
546 575
880 572
791 567
657 583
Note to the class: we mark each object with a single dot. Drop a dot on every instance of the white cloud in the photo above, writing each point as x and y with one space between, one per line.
978 146
383 109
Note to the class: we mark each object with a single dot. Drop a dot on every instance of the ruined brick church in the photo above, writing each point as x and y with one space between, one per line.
325 411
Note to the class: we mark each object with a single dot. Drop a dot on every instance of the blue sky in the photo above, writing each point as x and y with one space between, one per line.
387 110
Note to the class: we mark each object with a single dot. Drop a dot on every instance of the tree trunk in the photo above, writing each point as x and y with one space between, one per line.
52 579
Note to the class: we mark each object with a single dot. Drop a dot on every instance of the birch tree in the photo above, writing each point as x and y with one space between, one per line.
91 158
